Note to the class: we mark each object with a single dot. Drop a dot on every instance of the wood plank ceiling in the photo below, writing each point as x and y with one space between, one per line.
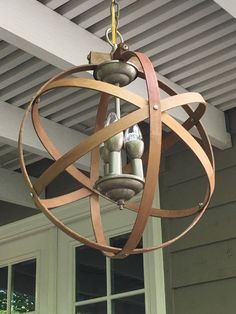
191 42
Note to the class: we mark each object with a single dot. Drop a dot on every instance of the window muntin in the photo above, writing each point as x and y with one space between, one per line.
90 269
18 288
129 305
93 308
126 274
23 287
3 289
114 283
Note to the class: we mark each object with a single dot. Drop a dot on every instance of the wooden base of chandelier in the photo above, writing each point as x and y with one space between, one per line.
153 109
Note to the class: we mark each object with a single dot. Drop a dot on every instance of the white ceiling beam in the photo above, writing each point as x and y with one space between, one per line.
45 34
13 188
228 5
58 41
63 137
213 120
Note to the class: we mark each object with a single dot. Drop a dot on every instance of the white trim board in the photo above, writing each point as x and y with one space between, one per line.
228 5
56 40
64 138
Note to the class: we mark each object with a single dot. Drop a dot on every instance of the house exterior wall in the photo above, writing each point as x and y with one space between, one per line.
36 238
200 269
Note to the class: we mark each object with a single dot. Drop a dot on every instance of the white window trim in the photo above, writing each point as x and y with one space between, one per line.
50 254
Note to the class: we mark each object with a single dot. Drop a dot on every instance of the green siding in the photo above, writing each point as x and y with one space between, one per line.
200 269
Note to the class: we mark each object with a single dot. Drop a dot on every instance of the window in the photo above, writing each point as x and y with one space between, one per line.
3 289
17 288
108 286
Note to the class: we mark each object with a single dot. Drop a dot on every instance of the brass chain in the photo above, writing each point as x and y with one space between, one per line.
115 15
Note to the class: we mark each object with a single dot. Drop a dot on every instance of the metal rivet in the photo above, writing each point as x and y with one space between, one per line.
192 120
200 205
155 107
125 47
31 194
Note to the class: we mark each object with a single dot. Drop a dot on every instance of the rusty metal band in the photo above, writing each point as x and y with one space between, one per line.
65 162
53 151
44 209
205 157
127 96
84 240
194 117
154 155
95 209
187 212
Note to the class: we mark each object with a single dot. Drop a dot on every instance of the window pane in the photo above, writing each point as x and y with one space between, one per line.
23 287
90 273
3 290
127 274
130 305
96 308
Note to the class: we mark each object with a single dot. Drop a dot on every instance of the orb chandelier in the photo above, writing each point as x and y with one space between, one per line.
115 133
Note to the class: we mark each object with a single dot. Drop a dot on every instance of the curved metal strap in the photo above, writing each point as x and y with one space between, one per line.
153 156
92 143
95 209
203 158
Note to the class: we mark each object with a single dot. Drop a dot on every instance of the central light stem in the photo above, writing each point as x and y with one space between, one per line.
115 156
119 186
117 105
114 145
116 164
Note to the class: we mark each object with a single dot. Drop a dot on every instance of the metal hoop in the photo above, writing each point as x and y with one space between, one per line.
154 109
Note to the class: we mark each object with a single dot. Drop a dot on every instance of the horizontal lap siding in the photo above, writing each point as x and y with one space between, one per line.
201 267
216 297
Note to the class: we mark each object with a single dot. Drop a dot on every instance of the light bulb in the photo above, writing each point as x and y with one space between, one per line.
133 142
111 118
115 143
134 146
133 133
